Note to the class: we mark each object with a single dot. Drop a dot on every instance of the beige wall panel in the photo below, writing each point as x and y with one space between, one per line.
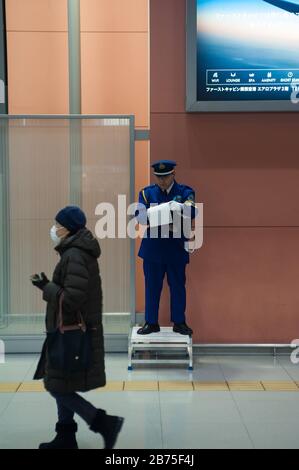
114 15
36 15
39 187
106 173
142 177
38 73
32 251
105 165
114 265
39 171
115 74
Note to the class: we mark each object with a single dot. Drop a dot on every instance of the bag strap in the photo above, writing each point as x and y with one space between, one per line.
81 325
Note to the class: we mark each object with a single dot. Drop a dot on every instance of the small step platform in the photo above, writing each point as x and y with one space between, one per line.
166 340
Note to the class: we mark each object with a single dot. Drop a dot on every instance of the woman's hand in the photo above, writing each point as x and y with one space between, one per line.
39 280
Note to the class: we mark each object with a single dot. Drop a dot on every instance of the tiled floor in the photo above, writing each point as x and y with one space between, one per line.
166 419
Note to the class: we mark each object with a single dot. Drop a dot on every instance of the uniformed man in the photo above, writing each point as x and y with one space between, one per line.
165 255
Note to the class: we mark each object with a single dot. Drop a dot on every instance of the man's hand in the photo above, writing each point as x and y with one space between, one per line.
39 280
192 238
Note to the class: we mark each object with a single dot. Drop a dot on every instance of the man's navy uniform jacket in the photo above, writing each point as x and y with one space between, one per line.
161 249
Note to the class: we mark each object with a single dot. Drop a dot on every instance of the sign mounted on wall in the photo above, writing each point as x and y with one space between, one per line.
242 55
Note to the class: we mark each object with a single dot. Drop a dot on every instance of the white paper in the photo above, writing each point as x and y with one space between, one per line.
159 215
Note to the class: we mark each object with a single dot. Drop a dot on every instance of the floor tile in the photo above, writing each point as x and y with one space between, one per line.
142 427
198 407
274 435
5 399
269 410
290 368
204 435
252 368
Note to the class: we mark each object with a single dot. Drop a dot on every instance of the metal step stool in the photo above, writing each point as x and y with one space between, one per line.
165 340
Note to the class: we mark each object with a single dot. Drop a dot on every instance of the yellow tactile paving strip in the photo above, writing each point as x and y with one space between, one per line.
246 386
139 386
176 386
167 386
112 387
210 386
9 387
32 387
281 386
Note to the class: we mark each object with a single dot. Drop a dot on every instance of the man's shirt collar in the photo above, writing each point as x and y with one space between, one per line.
170 188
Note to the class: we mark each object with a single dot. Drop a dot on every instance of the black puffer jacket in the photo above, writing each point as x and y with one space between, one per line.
77 273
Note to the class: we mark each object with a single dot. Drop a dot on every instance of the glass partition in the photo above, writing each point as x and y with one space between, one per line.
45 164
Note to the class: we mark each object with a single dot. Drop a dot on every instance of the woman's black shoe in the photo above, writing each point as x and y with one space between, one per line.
65 438
148 328
108 426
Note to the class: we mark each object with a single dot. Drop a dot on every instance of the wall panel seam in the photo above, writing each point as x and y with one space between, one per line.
34 31
119 32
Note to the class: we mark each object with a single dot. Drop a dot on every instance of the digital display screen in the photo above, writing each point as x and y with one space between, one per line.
247 51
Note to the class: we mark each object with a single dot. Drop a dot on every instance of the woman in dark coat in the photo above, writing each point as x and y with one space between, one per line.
77 277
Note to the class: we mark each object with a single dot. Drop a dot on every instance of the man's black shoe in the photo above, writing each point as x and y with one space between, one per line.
148 328
182 328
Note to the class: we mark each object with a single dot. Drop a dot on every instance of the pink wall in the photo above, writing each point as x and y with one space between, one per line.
242 284
37 56
115 58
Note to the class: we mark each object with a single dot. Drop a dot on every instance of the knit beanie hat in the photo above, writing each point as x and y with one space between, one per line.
72 218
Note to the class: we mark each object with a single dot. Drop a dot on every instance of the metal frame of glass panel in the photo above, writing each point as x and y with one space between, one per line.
3 59
4 225
32 343
4 204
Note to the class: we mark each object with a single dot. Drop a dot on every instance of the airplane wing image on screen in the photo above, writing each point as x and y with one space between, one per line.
287 6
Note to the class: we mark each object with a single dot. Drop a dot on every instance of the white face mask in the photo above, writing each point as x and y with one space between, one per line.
53 234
